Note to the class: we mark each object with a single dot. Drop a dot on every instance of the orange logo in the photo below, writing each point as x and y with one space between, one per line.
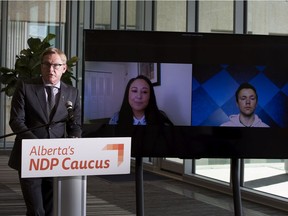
119 148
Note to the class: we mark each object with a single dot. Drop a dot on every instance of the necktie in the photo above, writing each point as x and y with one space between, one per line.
51 98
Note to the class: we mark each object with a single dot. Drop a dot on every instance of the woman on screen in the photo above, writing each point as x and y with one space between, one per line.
139 106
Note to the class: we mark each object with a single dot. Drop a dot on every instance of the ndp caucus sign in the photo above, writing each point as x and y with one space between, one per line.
74 157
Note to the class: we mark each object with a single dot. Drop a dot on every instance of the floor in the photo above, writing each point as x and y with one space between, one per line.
115 195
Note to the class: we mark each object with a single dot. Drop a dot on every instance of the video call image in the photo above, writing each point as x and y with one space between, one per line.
214 87
105 83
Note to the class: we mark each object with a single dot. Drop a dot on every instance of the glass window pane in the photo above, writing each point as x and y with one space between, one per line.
134 11
170 16
267 175
267 17
128 14
216 16
33 19
214 168
102 15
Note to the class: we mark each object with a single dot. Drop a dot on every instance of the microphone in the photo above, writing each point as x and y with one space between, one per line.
70 110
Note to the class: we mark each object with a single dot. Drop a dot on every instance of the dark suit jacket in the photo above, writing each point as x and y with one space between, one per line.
29 110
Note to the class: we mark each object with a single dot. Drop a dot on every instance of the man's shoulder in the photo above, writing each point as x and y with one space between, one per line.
68 87
233 120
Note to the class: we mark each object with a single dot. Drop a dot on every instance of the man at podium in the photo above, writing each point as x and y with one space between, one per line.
40 104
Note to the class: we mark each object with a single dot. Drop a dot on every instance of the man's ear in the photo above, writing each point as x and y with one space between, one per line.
65 69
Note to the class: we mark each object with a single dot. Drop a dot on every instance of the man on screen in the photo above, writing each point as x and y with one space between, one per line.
246 100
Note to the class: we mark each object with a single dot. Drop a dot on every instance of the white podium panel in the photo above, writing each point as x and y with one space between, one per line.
75 157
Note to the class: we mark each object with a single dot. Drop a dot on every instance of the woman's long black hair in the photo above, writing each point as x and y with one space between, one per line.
153 115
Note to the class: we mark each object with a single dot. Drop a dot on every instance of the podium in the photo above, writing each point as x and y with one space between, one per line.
69 161
69 196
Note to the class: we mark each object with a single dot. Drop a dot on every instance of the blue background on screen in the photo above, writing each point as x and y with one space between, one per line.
214 86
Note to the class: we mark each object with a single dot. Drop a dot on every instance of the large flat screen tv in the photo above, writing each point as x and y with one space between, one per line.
195 76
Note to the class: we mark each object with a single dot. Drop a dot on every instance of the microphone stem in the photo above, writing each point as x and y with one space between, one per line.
33 128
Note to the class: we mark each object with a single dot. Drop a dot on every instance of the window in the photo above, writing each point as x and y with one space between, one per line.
170 16
216 16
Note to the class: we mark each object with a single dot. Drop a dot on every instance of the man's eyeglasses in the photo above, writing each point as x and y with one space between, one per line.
48 65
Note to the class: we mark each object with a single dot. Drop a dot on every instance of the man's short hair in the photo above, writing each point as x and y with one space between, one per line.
53 50
245 86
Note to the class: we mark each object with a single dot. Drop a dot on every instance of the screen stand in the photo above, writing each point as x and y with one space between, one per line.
235 179
139 186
